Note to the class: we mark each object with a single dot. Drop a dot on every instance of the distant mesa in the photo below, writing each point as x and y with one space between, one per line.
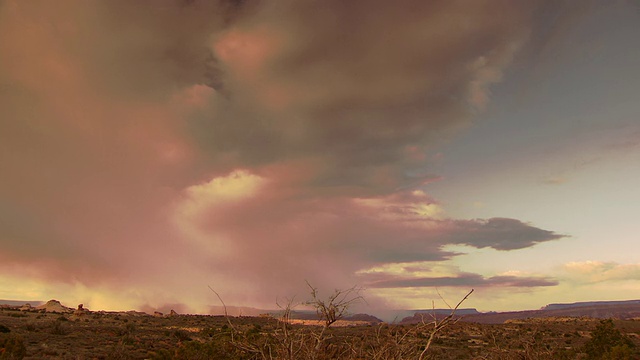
589 304
553 312
364 318
429 315
468 311
561 312
173 313
236 311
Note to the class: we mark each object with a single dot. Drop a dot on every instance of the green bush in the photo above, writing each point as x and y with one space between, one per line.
181 335
58 328
620 352
607 342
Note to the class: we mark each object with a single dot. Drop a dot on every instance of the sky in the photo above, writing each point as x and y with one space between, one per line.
150 150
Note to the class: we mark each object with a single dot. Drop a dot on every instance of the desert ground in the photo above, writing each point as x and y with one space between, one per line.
40 333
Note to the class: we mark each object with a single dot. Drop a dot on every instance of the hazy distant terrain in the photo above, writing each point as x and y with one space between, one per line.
629 309
20 302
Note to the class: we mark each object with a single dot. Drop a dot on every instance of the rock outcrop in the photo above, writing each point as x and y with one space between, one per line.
81 310
54 306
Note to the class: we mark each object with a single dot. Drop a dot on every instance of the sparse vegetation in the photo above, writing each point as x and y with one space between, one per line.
283 340
281 336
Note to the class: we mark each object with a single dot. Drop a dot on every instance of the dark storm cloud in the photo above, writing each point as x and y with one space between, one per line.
355 85
498 233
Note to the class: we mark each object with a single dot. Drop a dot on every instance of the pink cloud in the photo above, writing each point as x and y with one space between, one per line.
164 148
286 234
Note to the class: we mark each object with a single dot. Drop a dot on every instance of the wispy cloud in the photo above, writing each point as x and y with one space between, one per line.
466 280
599 271
432 274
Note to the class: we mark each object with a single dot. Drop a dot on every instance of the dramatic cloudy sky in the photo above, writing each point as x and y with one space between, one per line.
150 149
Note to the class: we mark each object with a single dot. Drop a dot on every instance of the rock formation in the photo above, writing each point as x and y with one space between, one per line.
81 310
54 306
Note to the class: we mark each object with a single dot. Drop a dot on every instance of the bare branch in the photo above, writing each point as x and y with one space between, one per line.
224 306
439 325
337 304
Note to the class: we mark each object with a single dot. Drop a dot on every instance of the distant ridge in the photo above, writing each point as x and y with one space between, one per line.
624 309
21 302
236 310
590 303
629 309
469 311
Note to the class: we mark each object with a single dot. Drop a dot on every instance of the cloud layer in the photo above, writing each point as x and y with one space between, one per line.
251 145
